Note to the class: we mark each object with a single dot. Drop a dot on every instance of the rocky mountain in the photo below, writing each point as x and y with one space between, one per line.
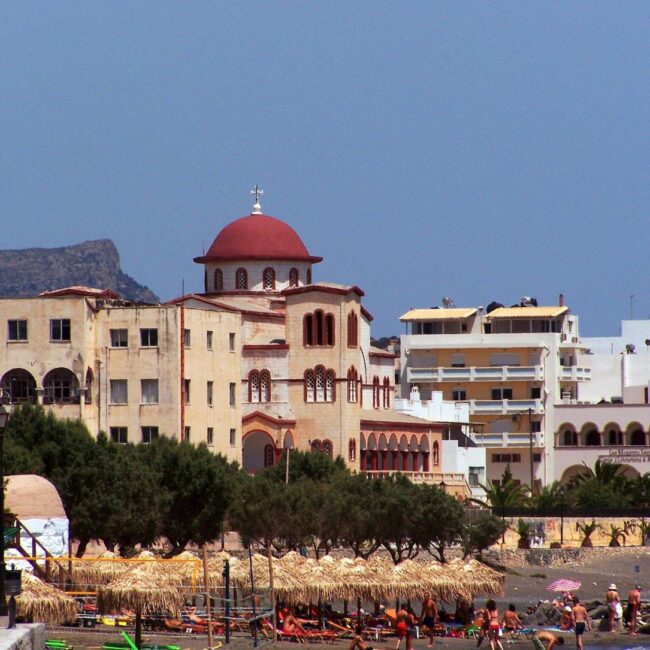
28 272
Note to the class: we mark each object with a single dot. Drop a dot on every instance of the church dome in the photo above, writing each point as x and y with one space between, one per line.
257 237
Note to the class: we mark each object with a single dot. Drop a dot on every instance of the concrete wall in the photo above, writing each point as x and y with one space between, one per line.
23 637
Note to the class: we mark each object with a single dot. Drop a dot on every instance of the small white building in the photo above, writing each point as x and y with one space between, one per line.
459 454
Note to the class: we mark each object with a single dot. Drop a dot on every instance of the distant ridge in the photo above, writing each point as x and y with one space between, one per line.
26 273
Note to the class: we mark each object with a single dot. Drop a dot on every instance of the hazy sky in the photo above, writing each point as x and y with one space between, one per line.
477 150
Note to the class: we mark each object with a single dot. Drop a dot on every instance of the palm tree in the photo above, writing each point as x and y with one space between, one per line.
507 494
552 496
617 533
603 473
525 531
587 530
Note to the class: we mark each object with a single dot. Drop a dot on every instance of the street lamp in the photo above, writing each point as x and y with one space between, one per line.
4 418
643 497
442 485
561 492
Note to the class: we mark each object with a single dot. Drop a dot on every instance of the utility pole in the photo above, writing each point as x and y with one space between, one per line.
530 433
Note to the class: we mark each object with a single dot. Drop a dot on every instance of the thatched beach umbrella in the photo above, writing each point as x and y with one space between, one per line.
477 578
186 566
286 587
40 602
144 590
100 570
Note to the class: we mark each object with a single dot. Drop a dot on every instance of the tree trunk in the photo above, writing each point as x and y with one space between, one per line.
587 543
138 629
81 549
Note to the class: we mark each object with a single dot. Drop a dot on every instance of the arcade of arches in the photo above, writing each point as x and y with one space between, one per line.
611 435
406 454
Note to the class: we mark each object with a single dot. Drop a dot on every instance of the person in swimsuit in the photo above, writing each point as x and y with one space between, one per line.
549 638
358 643
581 619
429 616
613 600
291 625
566 619
633 603
511 621
483 623
494 629
403 627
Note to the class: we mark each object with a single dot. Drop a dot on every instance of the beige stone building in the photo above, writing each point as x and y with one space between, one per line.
263 360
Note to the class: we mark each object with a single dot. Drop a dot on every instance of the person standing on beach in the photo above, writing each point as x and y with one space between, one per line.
633 603
429 616
494 629
581 619
613 600
404 627
549 638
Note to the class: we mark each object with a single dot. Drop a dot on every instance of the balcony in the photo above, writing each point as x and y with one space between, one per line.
505 406
475 373
509 439
575 373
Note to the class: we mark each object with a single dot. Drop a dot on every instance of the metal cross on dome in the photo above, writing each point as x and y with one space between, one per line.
257 191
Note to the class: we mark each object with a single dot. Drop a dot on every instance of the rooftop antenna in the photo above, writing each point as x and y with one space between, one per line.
257 191
631 306
448 303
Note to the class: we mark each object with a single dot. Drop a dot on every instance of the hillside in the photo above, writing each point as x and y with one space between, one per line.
28 272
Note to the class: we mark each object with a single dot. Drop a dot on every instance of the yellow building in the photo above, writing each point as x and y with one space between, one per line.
511 365
263 360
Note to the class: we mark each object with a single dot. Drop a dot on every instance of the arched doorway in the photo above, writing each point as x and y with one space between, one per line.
60 386
19 386
258 451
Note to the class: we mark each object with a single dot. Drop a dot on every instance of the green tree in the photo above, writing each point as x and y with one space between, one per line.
480 531
306 464
438 522
507 494
197 486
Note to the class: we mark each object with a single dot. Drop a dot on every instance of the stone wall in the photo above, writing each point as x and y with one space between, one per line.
23 637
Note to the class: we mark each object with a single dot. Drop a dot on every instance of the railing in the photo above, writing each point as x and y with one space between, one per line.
575 373
476 373
430 478
509 439
505 406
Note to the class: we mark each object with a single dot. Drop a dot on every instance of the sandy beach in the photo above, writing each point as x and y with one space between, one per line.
525 585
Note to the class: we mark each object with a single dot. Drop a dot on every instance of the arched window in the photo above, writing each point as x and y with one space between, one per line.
353 330
318 329
375 392
218 280
330 386
315 445
293 277
265 386
254 386
241 279
327 448
637 437
570 438
614 437
352 385
269 456
386 393
592 439
320 384
268 279
352 450
436 454
329 329
310 386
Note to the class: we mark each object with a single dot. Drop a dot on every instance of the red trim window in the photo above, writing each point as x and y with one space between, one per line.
265 386
315 446
436 454
241 279
318 329
293 277
310 386
353 330
254 386
375 392
268 279
269 455
386 393
327 448
218 280
352 450
352 385
330 386
320 384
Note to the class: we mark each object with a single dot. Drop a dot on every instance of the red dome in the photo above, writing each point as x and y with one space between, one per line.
257 237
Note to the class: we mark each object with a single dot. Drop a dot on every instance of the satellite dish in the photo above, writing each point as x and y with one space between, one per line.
647 341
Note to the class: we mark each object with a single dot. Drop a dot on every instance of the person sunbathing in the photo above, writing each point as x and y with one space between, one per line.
291 625
566 619
358 642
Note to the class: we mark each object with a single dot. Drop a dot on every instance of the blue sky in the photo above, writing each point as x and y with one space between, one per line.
481 151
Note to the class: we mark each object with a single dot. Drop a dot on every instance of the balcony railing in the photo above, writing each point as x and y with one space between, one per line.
430 478
575 373
505 406
520 439
476 373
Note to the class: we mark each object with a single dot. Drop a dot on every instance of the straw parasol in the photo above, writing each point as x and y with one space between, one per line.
286 587
100 570
477 578
40 602
145 590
